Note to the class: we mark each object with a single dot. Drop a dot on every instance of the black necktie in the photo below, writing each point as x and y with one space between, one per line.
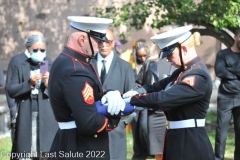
103 71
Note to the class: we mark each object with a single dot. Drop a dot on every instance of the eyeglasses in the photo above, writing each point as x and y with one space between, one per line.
41 50
107 43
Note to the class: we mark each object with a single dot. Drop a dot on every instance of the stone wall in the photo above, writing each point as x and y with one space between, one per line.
17 17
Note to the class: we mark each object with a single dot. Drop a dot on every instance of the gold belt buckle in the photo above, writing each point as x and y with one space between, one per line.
167 124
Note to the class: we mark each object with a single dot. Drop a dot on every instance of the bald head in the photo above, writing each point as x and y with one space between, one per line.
79 41
109 34
106 48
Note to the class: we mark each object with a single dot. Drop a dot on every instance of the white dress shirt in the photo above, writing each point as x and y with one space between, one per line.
108 62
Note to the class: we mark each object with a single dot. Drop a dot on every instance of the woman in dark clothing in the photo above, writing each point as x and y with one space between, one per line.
36 126
139 123
155 69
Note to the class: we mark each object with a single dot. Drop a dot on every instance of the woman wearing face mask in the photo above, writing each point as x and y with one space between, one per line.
35 126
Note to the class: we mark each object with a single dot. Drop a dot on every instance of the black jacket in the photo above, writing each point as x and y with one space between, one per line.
14 63
73 88
227 67
20 89
184 95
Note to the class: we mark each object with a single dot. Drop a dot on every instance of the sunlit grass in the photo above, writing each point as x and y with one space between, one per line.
5 148
129 146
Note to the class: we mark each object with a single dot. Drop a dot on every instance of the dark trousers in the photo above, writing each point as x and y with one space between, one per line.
226 108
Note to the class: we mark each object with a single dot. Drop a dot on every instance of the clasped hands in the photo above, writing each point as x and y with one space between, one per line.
115 102
36 77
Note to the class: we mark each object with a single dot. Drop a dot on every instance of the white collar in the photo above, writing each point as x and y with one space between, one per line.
27 53
108 59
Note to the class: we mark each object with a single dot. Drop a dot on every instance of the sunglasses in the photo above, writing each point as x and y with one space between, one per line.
41 50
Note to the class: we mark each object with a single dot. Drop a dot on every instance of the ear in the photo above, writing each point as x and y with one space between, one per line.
81 40
113 43
184 49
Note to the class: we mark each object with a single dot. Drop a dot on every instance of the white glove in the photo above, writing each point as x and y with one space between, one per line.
128 118
130 94
115 102
127 100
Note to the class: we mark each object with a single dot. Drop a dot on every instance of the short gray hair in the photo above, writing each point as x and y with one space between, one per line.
33 39
141 45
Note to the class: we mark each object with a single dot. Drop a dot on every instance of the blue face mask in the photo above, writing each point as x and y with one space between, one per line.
38 56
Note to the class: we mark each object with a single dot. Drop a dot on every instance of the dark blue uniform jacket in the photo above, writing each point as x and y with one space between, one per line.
184 95
73 89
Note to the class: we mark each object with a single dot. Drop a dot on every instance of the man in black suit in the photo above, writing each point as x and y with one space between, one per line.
14 62
116 74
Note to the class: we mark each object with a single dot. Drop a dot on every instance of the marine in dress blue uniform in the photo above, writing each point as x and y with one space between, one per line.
73 88
184 97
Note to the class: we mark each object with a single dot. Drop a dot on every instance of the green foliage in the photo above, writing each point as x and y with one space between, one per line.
219 13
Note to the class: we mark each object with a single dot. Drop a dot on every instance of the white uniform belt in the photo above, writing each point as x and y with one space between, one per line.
189 123
67 125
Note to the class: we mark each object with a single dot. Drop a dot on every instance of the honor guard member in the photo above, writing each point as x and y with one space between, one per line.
184 96
74 87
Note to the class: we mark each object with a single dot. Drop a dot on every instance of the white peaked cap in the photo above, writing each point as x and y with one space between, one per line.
85 23
176 35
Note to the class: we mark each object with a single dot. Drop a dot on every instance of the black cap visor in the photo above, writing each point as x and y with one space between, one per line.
168 50
97 35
